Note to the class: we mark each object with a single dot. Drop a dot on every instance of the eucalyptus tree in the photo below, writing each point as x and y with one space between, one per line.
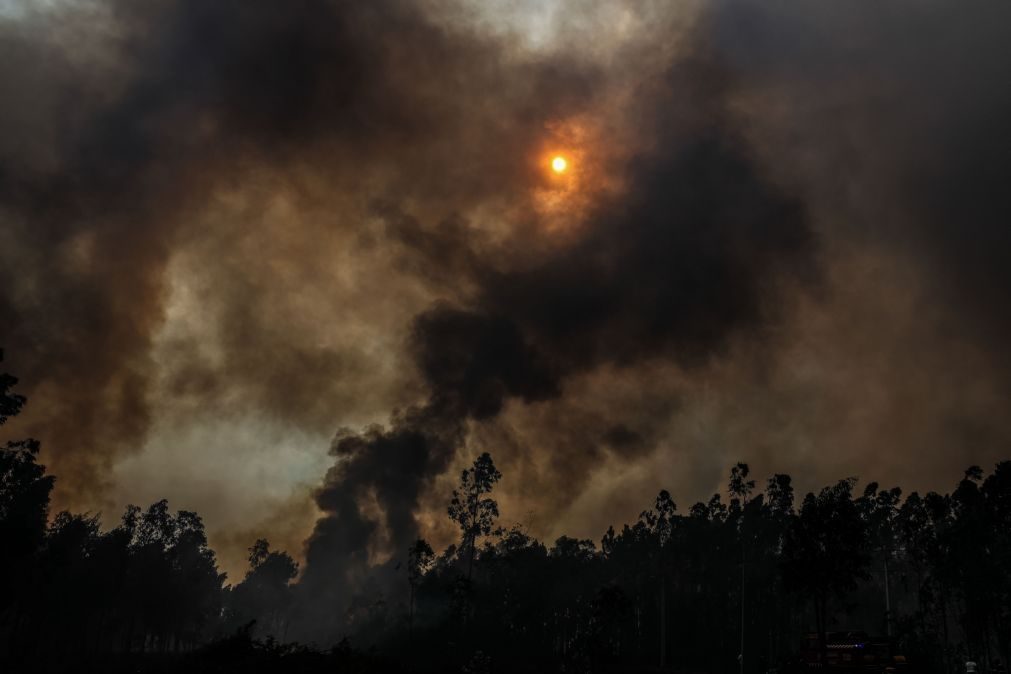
473 511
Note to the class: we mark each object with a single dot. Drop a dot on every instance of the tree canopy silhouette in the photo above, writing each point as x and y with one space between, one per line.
471 509
752 574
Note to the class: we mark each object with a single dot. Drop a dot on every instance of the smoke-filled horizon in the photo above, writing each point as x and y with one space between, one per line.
293 266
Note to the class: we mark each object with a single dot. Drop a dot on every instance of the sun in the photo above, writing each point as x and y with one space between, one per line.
558 164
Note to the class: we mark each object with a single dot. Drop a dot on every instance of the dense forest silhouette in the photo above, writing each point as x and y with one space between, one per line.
731 584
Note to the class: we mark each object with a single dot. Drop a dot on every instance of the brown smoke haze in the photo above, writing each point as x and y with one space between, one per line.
293 265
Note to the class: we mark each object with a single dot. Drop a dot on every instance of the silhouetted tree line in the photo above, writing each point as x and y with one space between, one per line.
749 574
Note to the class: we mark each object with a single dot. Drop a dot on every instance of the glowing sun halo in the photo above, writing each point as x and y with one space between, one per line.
558 164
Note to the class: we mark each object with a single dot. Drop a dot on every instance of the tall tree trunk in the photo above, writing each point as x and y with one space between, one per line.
410 612
944 627
820 618
473 532
740 655
129 635
888 606
663 621
470 559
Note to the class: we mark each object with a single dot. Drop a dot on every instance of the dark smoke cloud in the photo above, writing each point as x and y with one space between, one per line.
674 267
914 127
164 106
892 145
787 246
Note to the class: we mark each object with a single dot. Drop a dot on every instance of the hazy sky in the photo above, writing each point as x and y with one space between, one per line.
238 237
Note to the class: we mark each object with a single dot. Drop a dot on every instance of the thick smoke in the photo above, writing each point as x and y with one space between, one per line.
681 261
145 118
786 243
911 133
